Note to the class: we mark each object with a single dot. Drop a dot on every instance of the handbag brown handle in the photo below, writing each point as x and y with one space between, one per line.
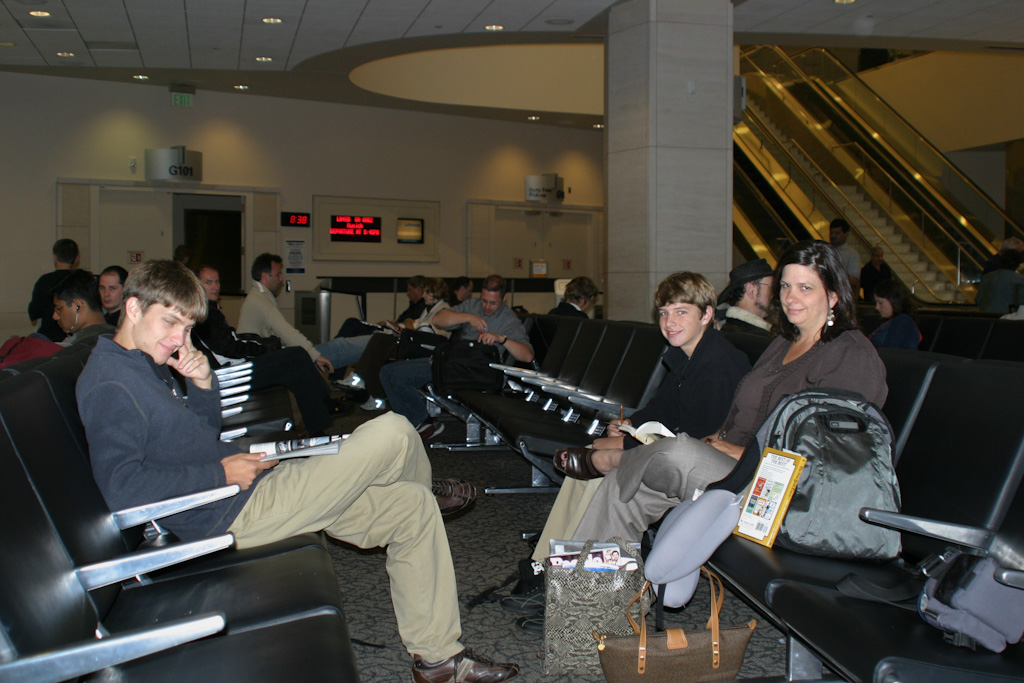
717 599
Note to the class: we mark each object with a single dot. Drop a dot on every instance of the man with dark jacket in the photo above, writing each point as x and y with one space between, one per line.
272 365
578 299
375 492
40 307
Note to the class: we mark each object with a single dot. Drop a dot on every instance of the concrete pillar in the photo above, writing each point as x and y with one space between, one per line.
669 147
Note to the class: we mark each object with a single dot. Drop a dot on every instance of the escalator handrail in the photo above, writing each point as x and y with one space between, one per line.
779 88
926 142
938 202
838 211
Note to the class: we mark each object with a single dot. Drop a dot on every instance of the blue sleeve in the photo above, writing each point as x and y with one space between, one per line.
120 451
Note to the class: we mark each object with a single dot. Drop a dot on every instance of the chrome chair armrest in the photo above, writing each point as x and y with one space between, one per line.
93 576
972 537
78 660
233 400
234 369
129 517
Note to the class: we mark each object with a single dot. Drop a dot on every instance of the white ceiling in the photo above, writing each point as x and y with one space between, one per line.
213 44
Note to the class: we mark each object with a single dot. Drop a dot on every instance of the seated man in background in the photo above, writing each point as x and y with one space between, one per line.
271 365
112 292
486 319
748 296
704 370
375 492
40 307
578 299
77 309
260 316
462 289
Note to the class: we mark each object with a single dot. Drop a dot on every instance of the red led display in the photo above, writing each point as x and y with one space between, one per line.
298 220
355 228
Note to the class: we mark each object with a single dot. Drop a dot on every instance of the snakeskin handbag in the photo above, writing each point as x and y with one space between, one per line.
580 602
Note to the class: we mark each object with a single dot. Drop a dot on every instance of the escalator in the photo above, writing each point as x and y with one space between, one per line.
825 154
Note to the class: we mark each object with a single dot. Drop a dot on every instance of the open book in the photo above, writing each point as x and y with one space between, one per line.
298 448
648 432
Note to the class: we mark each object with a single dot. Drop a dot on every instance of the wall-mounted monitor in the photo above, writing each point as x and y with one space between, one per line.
360 229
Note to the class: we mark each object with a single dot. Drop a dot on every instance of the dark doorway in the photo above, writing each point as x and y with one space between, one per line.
211 228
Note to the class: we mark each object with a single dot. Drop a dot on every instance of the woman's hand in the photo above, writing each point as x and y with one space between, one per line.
730 449
613 427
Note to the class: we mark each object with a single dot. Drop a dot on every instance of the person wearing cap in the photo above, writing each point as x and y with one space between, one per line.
747 296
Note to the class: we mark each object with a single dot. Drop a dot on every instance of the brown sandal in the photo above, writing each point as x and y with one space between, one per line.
578 463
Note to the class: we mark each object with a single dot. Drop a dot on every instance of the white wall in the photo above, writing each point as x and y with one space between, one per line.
70 128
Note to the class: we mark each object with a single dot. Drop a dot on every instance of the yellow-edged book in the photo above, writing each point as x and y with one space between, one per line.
768 497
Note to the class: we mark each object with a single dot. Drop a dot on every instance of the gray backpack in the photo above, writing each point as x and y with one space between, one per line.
848 445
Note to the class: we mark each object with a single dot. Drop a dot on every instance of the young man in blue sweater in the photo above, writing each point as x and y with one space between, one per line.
375 492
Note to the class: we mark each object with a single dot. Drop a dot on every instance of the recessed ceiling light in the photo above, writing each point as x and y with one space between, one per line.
494 27
559 22
598 126
65 54
533 118
141 77
844 2
264 59
271 20
39 13
241 87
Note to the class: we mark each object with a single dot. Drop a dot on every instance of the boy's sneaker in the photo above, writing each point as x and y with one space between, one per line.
429 429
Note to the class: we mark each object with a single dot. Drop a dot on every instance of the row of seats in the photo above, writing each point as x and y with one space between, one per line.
592 371
959 455
970 337
959 452
82 600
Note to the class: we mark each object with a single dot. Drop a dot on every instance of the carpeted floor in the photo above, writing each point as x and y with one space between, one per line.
486 546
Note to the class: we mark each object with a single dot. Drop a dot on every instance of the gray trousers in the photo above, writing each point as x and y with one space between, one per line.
649 481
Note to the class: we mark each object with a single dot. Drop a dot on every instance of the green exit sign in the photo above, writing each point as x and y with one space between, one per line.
181 99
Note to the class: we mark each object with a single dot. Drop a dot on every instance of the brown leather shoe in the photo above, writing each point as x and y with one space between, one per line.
578 463
452 495
464 667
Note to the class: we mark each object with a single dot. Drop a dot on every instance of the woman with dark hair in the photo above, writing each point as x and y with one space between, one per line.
899 331
818 345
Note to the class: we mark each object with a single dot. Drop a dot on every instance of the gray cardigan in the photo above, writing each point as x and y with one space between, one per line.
146 443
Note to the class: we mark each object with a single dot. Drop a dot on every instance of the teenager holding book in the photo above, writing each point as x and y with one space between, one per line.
818 345
703 369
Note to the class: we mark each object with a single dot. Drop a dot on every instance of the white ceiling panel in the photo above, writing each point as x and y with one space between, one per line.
215 33
325 27
385 20
116 59
101 21
50 42
514 16
446 16
161 32
577 11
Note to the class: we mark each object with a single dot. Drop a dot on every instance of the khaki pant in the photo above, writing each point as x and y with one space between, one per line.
649 481
374 493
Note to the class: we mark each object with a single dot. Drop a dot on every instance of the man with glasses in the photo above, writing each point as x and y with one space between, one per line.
748 296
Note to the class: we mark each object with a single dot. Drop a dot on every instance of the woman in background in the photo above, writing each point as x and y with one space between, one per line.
898 329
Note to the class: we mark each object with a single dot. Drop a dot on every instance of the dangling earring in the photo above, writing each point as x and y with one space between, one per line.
831 317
